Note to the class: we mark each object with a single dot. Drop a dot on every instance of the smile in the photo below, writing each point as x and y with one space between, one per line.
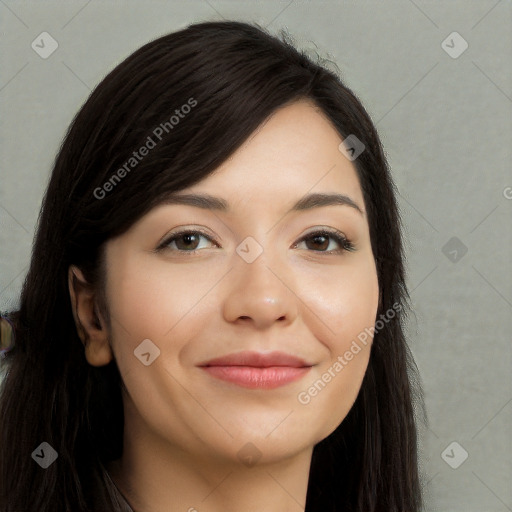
255 370
254 378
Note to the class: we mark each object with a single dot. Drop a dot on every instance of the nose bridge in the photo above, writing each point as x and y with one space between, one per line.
254 268
258 288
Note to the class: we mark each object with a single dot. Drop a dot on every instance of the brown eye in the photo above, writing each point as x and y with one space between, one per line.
319 241
190 241
184 241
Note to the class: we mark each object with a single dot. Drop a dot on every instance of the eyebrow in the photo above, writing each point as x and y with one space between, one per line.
308 202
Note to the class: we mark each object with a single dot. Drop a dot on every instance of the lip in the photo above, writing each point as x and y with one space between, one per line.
257 360
257 370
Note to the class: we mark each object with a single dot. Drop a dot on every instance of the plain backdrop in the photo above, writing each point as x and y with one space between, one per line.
436 77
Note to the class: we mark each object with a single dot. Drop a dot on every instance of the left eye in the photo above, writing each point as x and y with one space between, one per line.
188 242
321 238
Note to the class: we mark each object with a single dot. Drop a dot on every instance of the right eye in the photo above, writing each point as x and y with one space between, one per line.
185 241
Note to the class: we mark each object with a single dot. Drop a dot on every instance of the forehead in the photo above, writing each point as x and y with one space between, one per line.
294 152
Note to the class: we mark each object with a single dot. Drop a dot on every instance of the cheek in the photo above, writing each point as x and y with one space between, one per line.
156 300
160 302
345 308
345 303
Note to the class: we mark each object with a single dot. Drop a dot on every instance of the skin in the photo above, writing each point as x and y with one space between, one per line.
184 429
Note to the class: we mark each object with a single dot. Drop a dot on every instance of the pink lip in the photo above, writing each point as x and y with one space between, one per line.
256 370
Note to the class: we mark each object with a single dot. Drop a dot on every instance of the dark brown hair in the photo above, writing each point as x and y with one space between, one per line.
238 75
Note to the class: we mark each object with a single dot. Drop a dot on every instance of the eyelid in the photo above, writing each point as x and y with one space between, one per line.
320 229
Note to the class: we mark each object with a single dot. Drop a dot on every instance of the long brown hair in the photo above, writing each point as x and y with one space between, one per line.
238 75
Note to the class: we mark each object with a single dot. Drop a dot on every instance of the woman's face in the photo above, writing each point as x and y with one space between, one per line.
262 287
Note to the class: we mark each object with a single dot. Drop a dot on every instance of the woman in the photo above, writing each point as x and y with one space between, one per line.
213 316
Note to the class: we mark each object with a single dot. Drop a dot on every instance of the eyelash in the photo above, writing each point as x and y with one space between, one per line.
345 244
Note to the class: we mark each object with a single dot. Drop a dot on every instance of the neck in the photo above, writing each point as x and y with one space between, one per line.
156 480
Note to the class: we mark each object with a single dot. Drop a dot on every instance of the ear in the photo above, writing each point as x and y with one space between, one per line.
90 326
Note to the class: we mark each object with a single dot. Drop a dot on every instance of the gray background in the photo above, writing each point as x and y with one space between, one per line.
446 124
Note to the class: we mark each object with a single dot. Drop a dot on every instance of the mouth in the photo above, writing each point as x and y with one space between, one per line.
256 370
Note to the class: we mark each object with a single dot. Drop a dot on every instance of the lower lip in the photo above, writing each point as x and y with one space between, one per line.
257 378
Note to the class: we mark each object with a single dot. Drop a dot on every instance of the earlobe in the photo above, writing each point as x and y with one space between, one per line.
91 330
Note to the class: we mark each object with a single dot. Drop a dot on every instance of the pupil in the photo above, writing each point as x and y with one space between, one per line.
188 239
316 238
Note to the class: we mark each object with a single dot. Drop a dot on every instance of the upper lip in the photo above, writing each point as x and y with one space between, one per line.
257 360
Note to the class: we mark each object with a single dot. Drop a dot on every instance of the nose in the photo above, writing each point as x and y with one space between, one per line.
260 294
